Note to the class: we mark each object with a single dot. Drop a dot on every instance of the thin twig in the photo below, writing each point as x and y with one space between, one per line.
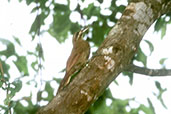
147 71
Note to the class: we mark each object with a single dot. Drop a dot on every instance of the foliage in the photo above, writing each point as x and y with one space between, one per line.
118 106
161 24
60 28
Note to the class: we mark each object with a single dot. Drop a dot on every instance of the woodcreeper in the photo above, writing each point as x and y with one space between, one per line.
78 57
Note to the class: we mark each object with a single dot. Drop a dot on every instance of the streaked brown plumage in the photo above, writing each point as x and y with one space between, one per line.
78 57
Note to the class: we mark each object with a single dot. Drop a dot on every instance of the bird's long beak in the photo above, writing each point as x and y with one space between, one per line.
80 34
85 29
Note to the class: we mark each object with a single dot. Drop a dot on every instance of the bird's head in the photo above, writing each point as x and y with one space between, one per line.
79 35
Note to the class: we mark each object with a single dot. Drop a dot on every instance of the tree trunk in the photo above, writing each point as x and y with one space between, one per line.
112 57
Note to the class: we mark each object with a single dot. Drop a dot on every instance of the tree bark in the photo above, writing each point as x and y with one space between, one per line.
113 56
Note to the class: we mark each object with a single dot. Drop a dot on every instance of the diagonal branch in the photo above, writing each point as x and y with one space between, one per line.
149 72
115 54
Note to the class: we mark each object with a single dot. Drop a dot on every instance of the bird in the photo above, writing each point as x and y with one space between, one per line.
77 59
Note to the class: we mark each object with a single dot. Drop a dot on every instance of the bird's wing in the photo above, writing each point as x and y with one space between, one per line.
72 60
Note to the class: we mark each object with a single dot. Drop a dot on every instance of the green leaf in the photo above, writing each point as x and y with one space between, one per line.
61 7
161 91
30 109
162 61
116 82
74 28
7 100
100 107
39 49
141 57
63 70
145 109
159 23
28 2
162 102
158 85
49 90
34 9
10 48
108 94
4 41
39 96
163 31
12 104
31 53
121 8
151 47
38 22
98 33
17 40
6 68
100 1
61 25
130 75
91 10
17 87
58 80
134 111
117 106
3 107
21 64
33 65
1 83
151 105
